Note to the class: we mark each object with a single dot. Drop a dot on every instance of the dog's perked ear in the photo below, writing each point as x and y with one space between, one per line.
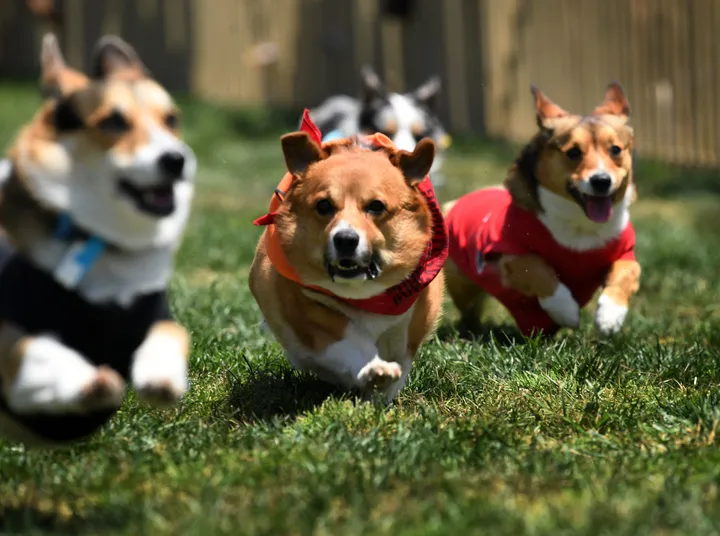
415 166
546 111
427 93
300 151
52 64
51 57
615 102
372 86
113 57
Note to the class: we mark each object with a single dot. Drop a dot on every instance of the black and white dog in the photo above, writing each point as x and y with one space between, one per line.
404 118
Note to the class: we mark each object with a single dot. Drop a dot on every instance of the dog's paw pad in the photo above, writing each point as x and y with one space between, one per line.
610 316
562 307
379 374
105 391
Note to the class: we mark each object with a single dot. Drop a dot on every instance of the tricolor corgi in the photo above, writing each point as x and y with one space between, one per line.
348 272
405 118
560 228
95 204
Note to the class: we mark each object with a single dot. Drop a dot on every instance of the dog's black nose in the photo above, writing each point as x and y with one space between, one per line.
346 242
601 182
172 164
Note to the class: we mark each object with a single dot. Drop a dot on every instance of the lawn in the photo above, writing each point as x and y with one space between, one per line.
571 436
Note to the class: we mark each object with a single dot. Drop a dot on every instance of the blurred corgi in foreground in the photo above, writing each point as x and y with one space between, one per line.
559 230
348 272
95 204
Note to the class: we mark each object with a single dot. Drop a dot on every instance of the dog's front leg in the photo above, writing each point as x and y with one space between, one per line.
622 282
40 374
159 367
533 276
355 362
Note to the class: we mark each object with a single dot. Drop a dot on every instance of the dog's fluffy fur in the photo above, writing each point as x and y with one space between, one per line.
103 150
575 177
346 188
405 118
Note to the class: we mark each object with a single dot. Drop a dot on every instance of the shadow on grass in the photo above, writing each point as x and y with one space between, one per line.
267 393
32 519
503 335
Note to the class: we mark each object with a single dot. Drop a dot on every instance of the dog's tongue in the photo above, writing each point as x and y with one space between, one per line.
599 208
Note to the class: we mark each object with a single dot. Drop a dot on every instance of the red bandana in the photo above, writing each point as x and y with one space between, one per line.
395 300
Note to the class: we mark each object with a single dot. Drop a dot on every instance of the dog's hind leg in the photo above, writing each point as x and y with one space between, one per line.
468 298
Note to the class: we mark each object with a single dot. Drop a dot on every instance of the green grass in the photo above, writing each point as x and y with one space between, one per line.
572 436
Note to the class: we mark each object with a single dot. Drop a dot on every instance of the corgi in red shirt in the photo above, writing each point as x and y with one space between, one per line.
559 229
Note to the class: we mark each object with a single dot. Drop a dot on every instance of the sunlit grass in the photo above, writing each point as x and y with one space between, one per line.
572 436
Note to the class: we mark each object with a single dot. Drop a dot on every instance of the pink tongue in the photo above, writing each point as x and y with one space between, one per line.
599 208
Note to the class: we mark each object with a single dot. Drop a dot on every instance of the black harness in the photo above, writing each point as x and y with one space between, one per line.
105 334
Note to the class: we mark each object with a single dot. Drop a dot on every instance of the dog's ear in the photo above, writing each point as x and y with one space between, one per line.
521 180
615 102
546 111
300 151
52 64
416 165
372 86
113 56
56 78
51 57
427 93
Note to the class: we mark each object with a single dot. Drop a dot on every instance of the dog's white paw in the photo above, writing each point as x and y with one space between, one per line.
379 374
610 316
159 370
562 307
53 378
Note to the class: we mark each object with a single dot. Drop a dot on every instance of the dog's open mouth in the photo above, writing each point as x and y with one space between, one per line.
155 200
350 269
598 208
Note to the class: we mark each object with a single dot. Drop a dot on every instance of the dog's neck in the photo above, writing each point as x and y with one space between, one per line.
118 276
571 228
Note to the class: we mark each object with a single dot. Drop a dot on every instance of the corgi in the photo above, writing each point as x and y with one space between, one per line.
95 205
348 272
405 118
559 228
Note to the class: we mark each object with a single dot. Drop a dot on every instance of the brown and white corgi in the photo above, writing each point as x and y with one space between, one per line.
95 204
348 273
559 230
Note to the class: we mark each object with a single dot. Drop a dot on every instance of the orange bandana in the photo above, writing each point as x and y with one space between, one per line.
397 299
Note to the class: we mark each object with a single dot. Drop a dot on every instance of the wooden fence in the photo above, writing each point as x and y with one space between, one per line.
295 53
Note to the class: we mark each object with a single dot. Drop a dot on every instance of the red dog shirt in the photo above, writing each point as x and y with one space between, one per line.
486 222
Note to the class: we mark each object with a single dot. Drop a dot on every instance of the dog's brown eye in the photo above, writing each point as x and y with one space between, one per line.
115 124
615 150
172 121
574 153
324 207
375 207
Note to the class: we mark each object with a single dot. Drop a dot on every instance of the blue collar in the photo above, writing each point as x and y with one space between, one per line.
84 251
